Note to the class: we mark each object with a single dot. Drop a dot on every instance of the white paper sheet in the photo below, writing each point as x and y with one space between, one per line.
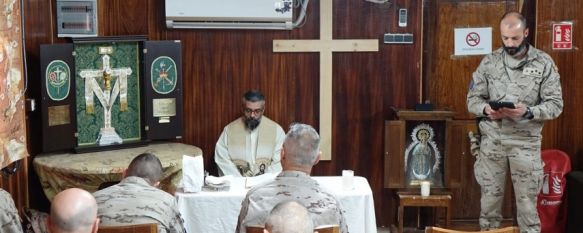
192 173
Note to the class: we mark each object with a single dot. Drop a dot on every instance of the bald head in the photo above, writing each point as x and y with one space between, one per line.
73 211
513 19
513 30
289 217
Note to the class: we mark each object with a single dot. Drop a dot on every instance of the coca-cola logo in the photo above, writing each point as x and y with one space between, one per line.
553 184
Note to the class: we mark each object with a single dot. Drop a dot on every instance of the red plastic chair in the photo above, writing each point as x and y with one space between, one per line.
551 205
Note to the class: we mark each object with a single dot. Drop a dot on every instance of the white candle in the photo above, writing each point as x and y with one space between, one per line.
347 179
425 188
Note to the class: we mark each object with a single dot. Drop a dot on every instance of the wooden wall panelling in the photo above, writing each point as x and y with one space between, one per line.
394 151
17 184
466 196
156 18
402 63
456 146
565 132
123 17
448 76
359 93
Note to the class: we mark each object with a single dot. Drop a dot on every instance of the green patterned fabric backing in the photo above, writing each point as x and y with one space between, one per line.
126 123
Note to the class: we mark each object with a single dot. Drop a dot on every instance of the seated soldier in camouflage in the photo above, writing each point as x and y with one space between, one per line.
136 199
301 151
9 219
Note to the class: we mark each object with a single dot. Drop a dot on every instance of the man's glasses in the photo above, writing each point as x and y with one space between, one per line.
256 111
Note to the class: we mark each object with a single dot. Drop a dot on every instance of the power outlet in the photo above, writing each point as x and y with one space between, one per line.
398 38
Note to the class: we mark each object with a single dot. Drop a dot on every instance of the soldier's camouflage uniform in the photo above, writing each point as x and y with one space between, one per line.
513 143
291 185
9 219
134 201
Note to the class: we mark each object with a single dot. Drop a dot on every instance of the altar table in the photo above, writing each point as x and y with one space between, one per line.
211 212
60 171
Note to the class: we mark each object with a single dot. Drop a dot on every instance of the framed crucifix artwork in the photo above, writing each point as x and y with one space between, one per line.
110 92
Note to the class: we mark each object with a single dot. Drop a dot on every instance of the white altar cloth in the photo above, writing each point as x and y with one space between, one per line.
213 212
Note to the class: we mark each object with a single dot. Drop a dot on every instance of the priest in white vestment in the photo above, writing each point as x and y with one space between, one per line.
251 144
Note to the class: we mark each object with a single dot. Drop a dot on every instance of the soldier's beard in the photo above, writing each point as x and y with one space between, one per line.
512 51
252 123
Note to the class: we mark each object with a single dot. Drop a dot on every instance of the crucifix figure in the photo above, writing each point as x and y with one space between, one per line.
325 46
106 96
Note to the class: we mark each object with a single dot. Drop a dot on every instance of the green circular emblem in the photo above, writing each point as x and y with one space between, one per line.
163 75
58 78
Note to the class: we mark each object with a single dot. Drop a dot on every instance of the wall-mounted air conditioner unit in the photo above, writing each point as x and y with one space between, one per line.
232 14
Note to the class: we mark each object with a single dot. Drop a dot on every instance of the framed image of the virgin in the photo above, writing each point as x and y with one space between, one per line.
424 152
108 97
12 79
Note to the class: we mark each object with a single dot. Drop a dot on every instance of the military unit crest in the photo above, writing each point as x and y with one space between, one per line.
163 75
58 78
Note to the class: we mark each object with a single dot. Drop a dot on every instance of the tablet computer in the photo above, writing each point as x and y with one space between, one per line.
495 105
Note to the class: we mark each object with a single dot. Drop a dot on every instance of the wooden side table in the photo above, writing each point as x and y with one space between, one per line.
438 200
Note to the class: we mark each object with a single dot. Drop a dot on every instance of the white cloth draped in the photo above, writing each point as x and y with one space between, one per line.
210 212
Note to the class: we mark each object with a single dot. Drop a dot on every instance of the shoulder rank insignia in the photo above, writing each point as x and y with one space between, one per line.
532 72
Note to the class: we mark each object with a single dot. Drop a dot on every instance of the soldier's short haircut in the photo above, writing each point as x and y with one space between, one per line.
516 14
302 144
146 166
253 96
289 217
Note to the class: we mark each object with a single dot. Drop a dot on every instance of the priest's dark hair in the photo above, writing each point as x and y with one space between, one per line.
253 96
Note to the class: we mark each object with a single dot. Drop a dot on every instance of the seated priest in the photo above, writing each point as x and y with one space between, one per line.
251 144
301 151
9 219
137 199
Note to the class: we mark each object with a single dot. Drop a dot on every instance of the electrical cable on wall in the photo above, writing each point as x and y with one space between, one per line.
301 20
24 63
378 1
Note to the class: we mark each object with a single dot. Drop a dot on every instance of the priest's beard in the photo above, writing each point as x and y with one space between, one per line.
252 123
512 51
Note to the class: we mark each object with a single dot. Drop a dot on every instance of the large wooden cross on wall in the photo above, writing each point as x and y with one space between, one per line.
325 46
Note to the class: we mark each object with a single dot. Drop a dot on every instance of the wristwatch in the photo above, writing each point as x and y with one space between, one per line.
528 114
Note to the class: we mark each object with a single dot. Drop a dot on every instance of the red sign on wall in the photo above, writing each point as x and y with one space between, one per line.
563 36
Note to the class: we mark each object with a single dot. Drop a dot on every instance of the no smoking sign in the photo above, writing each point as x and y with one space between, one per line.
473 39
